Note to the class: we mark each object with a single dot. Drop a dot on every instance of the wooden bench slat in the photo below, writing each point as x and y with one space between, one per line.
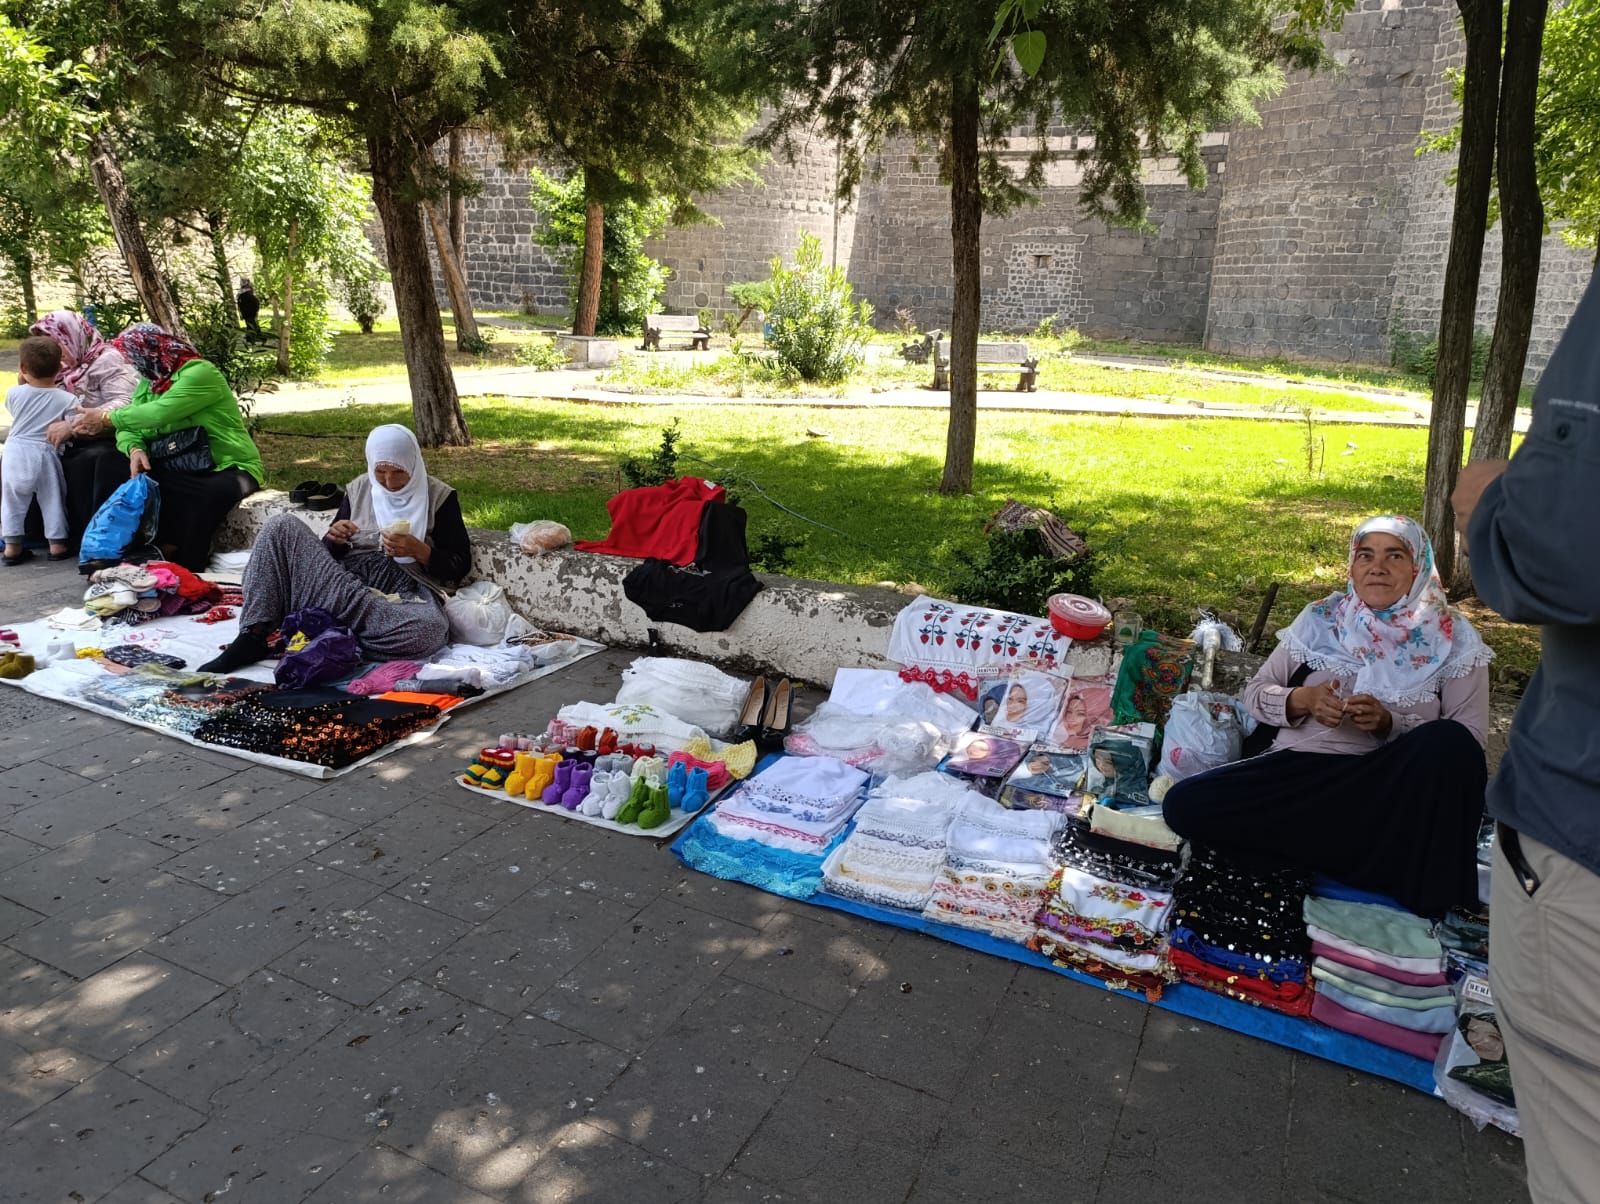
655 325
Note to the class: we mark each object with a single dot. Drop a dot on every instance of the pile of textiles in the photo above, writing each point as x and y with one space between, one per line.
316 725
957 649
884 725
996 869
898 844
137 593
1380 974
1240 934
762 835
1107 909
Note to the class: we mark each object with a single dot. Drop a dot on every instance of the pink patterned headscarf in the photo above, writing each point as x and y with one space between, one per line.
1403 653
79 341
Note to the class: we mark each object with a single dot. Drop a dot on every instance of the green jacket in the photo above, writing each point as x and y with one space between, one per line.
198 396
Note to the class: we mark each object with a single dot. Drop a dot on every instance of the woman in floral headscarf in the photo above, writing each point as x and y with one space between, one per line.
102 379
1376 776
180 391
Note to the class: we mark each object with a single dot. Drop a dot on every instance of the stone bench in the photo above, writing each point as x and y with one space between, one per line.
794 627
686 325
992 357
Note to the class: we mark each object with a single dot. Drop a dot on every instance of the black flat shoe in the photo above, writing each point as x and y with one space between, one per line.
22 557
755 704
326 497
301 492
775 723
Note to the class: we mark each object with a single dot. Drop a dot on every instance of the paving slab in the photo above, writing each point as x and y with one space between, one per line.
395 847
103 927
56 878
90 806
819 964
497 866
389 1176
32 1076
257 850
249 1161
191 819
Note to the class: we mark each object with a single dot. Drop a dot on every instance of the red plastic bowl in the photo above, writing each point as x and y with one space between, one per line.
1078 617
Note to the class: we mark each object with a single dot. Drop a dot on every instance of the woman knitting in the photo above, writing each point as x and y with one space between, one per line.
382 571
1376 776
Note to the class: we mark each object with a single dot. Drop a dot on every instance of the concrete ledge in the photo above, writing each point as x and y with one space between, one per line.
795 627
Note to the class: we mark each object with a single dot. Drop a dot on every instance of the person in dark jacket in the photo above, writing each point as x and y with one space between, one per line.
249 308
1526 522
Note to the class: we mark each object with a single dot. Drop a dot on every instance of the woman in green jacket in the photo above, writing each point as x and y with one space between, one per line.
219 467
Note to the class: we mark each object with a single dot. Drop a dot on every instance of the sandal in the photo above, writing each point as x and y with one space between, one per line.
59 555
21 557
326 497
303 491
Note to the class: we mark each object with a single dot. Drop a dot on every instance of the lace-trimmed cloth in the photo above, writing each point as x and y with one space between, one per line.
958 649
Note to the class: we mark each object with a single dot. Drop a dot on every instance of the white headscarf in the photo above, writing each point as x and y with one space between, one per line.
1403 654
396 445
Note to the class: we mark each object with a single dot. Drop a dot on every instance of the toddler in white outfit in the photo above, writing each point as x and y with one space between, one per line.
31 467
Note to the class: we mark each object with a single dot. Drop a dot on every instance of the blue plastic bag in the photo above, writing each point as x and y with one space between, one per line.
128 518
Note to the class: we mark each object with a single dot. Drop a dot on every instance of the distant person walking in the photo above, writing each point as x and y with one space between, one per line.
1527 523
249 307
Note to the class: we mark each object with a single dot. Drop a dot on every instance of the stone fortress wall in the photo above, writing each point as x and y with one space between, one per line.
1320 234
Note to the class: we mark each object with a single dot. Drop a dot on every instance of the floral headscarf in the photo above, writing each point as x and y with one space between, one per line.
1402 654
79 341
154 353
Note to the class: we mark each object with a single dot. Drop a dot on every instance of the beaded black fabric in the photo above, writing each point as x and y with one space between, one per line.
321 727
1254 916
1115 860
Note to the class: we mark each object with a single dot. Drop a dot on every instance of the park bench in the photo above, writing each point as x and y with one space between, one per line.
687 325
992 357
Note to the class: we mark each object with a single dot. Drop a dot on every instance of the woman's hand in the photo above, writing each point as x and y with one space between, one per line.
343 531
1370 715
58 432
407 545
1321 702
137 462
87 422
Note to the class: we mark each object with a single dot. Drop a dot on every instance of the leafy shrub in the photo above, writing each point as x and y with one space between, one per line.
631 283
1014 571
482 345
216 337
659 467
310 327
1410 354
818 331
773 551
358 291
542 354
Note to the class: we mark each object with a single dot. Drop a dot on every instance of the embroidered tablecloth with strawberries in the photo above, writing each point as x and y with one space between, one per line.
956 649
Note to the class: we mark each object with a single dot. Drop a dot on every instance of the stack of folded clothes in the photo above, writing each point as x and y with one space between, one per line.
1380 974
996 870
1107 909
898 844
800 804
1239 934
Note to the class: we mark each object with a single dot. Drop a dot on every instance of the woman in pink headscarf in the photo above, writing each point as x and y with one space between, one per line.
102 379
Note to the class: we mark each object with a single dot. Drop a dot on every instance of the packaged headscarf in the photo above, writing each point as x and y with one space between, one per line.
1401 655
154 353
395 445
79 341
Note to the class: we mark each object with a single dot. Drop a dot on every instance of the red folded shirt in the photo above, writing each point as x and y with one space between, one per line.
660 521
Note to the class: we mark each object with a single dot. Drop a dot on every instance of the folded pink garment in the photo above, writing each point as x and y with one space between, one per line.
383 678
1420 1045
1409 977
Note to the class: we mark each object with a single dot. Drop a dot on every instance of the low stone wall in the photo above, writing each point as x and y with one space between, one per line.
798 628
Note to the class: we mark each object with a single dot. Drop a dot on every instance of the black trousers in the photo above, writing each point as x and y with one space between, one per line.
193 505
1401 820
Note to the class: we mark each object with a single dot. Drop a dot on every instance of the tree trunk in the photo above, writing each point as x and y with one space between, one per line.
1480 21
223 273
966 223
435 407
455 283
586 308
148 281
458 203
23 264
1521 231
285 326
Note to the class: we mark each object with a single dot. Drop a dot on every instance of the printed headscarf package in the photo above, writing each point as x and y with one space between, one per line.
396 445
79 341
154 353
1400 655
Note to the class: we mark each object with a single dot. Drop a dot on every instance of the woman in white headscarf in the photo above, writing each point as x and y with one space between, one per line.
1379 695
398 534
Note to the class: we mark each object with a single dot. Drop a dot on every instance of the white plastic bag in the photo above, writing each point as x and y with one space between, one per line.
1203 732
541 535
696 693
479 614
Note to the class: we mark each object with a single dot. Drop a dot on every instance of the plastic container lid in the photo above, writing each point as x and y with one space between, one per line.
1078 617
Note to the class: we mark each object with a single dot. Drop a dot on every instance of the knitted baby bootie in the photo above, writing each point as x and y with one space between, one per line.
562 783
696 793
599 791
582 778
677 779
491 769
654 769
607 742
587 738
544 772
518 781
617 793
16 665
657 810
639 796
740 759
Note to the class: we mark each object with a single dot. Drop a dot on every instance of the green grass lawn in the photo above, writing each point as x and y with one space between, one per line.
1187 513
356 356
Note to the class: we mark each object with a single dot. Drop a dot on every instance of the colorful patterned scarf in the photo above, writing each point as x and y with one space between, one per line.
1403 654
79 341
154 353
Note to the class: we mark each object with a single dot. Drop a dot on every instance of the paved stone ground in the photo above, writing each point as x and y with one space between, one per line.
220 982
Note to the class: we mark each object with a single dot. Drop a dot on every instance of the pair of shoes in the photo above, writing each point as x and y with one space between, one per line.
755 705
16 665
491 769
22 557
316 495
775 720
